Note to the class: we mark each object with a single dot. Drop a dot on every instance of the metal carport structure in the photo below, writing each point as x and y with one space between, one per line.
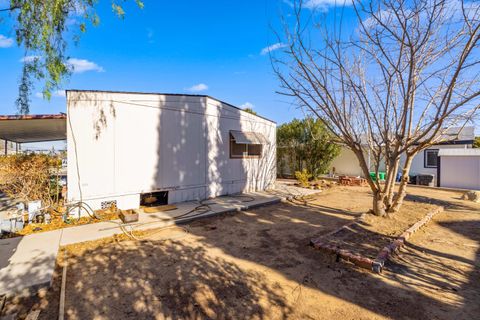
33 128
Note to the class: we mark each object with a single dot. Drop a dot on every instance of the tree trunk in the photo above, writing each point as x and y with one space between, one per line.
390 183
402 189
379 208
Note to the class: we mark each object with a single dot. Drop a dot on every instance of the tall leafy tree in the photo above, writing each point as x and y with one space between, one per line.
306 144
40 28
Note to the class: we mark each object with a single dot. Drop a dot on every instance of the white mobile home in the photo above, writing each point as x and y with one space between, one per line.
123 146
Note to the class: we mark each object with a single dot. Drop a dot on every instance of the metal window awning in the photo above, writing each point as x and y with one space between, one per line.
241 137
33 128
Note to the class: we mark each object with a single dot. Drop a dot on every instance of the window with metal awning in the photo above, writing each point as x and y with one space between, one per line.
246 144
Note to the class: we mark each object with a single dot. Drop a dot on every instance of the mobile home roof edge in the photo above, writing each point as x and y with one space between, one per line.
170 94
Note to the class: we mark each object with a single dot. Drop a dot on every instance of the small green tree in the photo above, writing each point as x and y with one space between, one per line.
303 177
305 144
476 143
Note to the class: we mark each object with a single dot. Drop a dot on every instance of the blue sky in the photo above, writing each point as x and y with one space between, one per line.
214 47
207 47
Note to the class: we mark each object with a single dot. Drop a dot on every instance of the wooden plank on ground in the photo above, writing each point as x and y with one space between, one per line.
159 208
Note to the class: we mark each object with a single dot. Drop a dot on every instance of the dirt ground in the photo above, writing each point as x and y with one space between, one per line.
372 233
258 265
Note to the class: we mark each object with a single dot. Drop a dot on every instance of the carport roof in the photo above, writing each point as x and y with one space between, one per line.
33 128
459 152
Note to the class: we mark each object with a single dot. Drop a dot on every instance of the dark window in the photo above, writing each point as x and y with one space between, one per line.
431 158
243 150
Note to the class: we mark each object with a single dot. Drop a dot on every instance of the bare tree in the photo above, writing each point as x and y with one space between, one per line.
392 85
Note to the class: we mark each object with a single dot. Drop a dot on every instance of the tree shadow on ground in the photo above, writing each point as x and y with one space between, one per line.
282 246
163 279
452 205
254 264
451 273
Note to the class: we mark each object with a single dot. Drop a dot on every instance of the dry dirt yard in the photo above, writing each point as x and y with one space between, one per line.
259 265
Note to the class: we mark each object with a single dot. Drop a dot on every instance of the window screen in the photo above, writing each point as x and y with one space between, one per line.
244 150
254 149
431 158
237 149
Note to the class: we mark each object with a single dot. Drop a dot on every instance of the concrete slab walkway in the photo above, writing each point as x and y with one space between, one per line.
27 263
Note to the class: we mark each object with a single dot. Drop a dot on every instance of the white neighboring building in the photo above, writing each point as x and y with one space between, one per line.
424 163
347 163
123 146
459 168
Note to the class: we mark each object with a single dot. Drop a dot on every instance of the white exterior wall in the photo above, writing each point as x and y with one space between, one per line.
460 172
125 144
418 162
346 163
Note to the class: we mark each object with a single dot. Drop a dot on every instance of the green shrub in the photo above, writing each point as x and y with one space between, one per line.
305 144
303 177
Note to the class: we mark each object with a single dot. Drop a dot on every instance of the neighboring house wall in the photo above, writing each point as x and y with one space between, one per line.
123 144
459 138
347 163
418 163
460 172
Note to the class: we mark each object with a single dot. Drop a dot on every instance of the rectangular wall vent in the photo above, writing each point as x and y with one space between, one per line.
108 204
